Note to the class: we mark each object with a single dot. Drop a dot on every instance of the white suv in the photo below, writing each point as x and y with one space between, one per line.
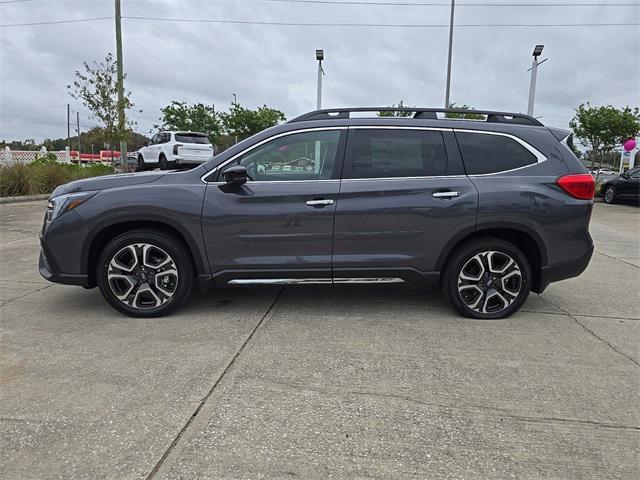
169 150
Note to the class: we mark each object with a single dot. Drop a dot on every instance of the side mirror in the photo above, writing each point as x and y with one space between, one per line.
146 144
236 175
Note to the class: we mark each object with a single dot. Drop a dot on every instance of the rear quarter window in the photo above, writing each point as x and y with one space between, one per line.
485 153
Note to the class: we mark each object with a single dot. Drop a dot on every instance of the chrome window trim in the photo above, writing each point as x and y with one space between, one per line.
264 182
266 140
540 157
426 177
399 127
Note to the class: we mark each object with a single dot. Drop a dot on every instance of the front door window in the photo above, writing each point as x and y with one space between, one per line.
299 156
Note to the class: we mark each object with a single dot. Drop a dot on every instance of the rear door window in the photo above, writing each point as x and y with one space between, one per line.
387 153
488 153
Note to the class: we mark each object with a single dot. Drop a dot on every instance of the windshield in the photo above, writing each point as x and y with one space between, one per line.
192 138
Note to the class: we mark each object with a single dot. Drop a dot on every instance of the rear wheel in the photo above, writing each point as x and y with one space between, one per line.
487 279
163 161
145 273
172 165
609 194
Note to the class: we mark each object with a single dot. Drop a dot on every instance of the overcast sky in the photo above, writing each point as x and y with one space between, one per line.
275 64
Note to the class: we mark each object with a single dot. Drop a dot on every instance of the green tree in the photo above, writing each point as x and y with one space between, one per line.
242 122
400 113
601 129
97 88
196 118
468 116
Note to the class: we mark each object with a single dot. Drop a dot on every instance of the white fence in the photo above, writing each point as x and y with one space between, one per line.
10 157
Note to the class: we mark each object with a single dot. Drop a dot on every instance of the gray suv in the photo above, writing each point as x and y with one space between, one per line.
486 209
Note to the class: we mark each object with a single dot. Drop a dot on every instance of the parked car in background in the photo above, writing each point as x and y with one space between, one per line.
132 162
169 150
488 210
623 187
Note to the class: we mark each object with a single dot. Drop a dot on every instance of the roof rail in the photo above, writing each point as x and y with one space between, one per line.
420 113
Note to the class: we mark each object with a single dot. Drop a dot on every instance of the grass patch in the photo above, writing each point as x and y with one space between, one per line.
43 175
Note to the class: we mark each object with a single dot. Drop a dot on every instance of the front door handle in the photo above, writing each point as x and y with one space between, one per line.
319 203
445 194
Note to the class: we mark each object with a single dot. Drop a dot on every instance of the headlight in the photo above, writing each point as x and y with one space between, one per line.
63 203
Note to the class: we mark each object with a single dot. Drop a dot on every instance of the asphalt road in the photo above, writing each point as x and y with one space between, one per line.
321 382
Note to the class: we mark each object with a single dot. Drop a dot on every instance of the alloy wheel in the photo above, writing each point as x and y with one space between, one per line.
609 194
142 276
489 282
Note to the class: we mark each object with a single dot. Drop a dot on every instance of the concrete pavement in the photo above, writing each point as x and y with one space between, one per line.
321 382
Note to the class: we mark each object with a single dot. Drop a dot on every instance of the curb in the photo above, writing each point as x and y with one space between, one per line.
24 198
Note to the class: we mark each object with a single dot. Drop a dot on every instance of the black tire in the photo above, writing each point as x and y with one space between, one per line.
141 166
171 165
464 256
163 161
148 288
609 194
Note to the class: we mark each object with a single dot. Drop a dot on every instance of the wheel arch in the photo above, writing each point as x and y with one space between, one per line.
527 240
107 231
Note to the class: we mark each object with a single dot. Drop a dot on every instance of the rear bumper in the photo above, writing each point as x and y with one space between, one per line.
190 160
562 271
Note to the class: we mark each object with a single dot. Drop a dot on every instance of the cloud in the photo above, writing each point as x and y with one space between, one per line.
205 62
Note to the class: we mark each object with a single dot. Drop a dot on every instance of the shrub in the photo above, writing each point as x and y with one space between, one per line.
43 175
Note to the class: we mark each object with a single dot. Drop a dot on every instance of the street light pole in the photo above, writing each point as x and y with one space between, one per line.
78 123
448 88
319 57
120 84
537 51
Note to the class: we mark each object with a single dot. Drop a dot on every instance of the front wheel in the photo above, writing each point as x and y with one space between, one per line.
145 273
487 279
141 164
609 194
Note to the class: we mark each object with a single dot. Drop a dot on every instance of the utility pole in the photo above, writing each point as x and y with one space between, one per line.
68 127
319 57
78 123
447 102
120 84
537 51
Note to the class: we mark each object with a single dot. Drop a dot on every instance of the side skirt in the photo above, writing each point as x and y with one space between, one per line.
310 281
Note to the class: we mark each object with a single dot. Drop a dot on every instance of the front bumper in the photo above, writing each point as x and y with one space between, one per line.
562 271
53 275
62 243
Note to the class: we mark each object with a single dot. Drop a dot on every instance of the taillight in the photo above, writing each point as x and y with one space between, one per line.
578 185
175 148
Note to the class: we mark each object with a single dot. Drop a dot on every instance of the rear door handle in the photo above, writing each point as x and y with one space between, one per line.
319 203
445 194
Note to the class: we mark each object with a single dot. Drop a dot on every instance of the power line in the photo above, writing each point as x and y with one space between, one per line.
400 25
55 22
447 4
14 1
322 24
